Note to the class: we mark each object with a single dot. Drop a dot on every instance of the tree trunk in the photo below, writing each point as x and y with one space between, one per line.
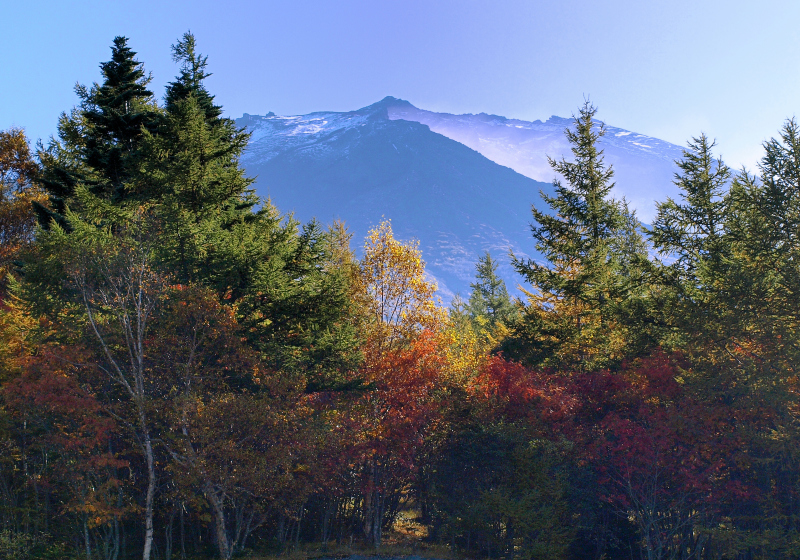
86 539
151 491
219 520
183 533
373 507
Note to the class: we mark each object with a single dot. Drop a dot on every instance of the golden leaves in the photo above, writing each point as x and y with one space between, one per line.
392 281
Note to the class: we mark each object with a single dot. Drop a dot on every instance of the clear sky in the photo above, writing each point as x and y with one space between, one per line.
670 69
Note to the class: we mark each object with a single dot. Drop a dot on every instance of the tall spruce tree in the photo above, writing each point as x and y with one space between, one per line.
291 300
692 231
118 111
572 319
692 235
191 168
99 142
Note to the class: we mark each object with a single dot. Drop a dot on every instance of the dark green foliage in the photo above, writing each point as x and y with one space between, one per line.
182 163
764 226
583 221
581 298
190 81
692 235
492 490
117 112
295 304
489 299
100 141
693 231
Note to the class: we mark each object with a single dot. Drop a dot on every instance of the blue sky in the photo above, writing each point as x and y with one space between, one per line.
669 69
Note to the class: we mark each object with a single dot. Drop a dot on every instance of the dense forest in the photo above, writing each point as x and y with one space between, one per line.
188 373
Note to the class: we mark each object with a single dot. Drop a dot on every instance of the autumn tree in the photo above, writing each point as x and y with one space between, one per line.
69 450
231 426
400 299
117 284
402 358
665 460
18 192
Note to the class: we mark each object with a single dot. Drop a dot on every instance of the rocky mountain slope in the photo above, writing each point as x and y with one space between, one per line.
460 184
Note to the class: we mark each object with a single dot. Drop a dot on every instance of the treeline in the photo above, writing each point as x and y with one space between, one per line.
188 373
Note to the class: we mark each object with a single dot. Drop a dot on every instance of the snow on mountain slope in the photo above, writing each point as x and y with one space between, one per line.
460 184
362 167
644 166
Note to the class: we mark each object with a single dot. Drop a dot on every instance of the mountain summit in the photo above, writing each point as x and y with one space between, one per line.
460 184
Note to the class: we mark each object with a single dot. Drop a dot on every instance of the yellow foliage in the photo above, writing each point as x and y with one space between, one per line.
16 327
466 353
399 300
17 195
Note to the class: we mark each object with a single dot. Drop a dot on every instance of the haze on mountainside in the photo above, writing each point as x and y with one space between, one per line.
460 184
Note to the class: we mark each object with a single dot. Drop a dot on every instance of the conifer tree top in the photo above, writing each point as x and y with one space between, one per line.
190 80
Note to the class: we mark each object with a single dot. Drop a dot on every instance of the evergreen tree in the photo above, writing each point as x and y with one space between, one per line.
191 168
190 80
586 238
583 222
765 218
692 234
291 300
99 142
118 112
693 231
489 298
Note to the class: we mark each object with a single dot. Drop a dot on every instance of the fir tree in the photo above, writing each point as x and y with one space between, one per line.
489 298
117 111
293 302
190 80
99 142
692 231
572 317
192 168
582 223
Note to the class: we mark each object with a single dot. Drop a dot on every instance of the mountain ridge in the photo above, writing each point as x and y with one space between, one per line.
430 173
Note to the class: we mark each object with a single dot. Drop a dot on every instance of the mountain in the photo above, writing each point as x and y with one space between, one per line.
460 184
644 166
